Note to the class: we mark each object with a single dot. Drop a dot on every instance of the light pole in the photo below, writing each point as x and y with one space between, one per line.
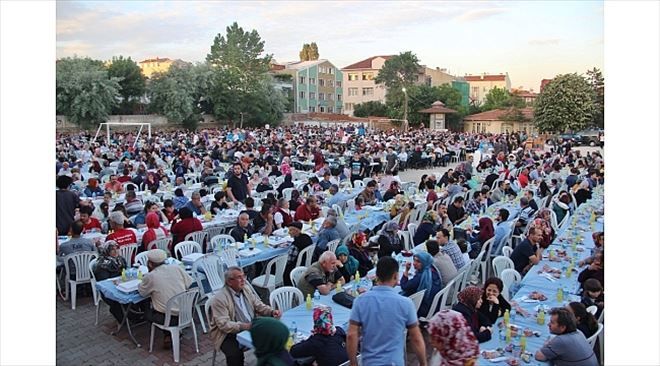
405 109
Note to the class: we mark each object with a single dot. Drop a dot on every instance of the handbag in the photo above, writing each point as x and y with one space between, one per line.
343 299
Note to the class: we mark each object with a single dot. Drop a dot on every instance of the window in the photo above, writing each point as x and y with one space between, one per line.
352 77
352 92
331 83
339 97
338 110
367 91
331 96
302 80
321 82
338 83
312 81
302 95
475 91
321 96
368 76
330 110
322 109
312 95
349 106
312 109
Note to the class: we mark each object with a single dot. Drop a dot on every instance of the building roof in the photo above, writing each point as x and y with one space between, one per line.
437 107
299 65
154 60
365 64
500 77
497 114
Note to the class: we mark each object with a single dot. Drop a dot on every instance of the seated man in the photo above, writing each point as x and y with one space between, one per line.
455 211
249 209
161 284
309 211
76 243
321 276
121 235
528 252
327 234
243 230
526 214
369 193
185 225
300 242
133 204
195 204
569 346
90 223
441 261
232 310
451 249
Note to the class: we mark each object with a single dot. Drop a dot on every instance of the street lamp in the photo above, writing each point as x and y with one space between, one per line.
405 109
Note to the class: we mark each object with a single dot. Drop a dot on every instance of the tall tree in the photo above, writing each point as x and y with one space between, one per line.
597 81
313 51
132 82
566 103
304 53
84 92
371 108
501 98
398 72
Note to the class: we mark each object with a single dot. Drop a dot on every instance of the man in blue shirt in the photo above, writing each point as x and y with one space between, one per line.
502 231
382 305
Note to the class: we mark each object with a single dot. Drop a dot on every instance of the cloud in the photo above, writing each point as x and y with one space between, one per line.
544 42
477 14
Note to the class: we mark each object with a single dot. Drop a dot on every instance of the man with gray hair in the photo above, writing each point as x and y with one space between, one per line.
195 204
340 225
327 234
232 310
119 234
321 275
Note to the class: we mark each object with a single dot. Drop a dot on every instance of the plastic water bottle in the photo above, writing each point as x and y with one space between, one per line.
293 328
308 302
317 295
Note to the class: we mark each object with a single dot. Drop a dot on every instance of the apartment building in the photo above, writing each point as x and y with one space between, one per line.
154 65
480 85
317 86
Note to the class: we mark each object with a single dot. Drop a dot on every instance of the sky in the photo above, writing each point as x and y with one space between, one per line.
529 40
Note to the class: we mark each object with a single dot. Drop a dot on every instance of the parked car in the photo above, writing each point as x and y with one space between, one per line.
591 137
565 136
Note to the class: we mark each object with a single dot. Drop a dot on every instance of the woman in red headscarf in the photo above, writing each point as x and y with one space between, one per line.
479 238
154 230
469 302
542 222
453 339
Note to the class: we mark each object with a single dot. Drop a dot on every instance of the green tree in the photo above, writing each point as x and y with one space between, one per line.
498 98
132 82
597 82
371 108
84 92
566 103
267 104
304 53
398 72
309 52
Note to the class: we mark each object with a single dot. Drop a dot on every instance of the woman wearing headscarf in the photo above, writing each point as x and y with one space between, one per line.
426 229
269 338
357 249
561 205
93 189
426 278
285 167
479 237
542 222
349 263
154 230
389 240
493 304
327 345
110 264
453 340
469 302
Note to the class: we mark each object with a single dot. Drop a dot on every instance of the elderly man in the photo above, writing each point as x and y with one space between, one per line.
327 234
195 204
232 310
341 227
243 229
161 284
569 346
121 235
321 276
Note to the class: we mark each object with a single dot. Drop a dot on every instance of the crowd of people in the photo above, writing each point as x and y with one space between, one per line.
492 168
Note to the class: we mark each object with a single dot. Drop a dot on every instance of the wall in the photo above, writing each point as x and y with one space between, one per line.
62 123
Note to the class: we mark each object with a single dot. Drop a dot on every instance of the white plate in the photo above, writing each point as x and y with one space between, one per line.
248 252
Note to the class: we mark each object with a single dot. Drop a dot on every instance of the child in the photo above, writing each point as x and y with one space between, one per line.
593 295
464 249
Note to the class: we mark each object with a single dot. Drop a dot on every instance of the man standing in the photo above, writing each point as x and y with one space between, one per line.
237 185
569 347
502 231
382 305
232 310
358 166
321 275
66 203
528 252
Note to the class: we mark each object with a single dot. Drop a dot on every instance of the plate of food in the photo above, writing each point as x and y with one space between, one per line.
535 295
492 354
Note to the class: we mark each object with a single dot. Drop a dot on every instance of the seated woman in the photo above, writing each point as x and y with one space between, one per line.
389 240
586 322
349 264
481 236
543 222
593 295
426 278
110 264
327 344
426 229
269 338
357 248
93 189
469 302
453 340
287 183
493 304
359 203
582 192
154 230
296 200
219 203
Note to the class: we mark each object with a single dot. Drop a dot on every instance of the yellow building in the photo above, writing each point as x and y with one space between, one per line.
480 85
154 65
499 121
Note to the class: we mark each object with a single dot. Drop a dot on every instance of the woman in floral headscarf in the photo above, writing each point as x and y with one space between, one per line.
426 278
357 248
389 240
426 229
542 222
469 301
453 339
327 344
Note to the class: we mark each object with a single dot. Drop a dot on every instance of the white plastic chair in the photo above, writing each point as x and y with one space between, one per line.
338 209
141 259
417 298
307 254
509 277
593 309
222 240
358 184
184 302
212 232
592 340
163 244
286 193
269 281
350 205
412 228
128 252
285 298
211 265
186 247
81 262
333 245
229 257
95 291
296 274
500 263
484 255
404 237
458 282
196 236
439 301
506 251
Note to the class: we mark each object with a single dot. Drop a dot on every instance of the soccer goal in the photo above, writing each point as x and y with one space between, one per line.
137 138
